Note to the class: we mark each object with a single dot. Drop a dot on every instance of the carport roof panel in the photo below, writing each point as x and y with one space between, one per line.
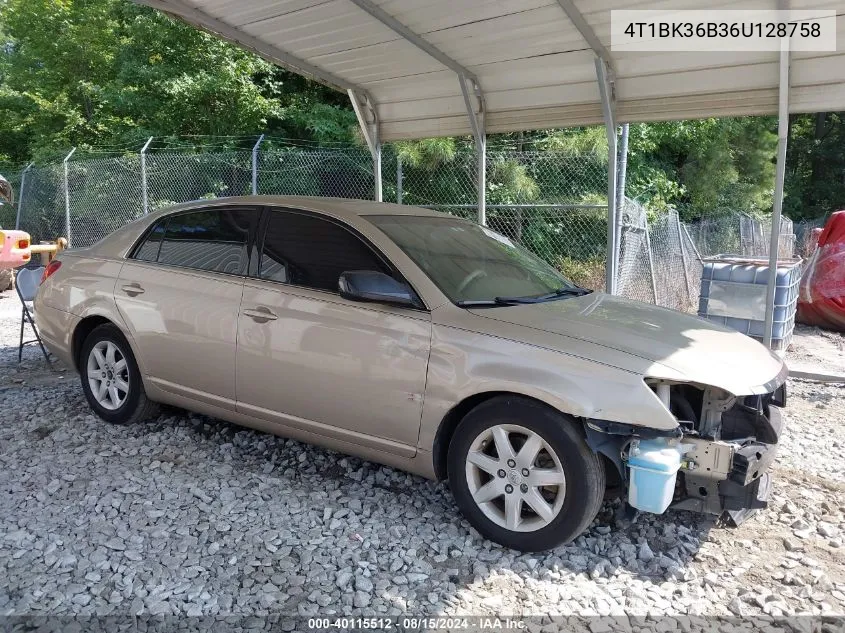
535 68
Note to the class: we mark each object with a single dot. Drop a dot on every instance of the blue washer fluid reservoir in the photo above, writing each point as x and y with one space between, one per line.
653 466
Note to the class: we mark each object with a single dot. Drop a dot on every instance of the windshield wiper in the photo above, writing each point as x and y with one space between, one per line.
557 294
485 303
510 301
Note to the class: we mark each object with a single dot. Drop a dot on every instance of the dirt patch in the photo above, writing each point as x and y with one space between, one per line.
816 350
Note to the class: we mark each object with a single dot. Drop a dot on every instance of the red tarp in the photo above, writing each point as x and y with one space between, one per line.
821 298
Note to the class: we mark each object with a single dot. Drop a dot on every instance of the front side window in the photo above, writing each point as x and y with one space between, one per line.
472 264
305 250
210 239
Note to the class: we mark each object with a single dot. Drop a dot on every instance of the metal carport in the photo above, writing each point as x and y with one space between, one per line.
425 68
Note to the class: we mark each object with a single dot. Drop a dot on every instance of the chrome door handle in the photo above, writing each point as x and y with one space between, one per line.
132 289
260 314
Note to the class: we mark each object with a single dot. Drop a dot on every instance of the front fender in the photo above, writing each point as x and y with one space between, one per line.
464 364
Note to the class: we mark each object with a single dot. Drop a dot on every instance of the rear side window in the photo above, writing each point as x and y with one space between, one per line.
212 239
309 251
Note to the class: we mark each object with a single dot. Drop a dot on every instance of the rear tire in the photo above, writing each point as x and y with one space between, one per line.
529 500
111 379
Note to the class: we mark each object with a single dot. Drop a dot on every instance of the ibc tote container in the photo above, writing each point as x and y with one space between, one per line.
733 293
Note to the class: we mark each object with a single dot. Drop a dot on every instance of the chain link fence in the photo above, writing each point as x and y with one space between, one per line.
337 173
41 203
103 194
661 259
555 204
805 238
740 234
675 263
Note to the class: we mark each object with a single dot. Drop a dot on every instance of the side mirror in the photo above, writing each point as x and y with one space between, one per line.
369 285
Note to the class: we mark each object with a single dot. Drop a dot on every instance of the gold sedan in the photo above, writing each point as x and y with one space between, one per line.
424 342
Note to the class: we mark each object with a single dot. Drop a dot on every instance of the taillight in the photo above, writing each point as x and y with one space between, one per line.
22 244
52 267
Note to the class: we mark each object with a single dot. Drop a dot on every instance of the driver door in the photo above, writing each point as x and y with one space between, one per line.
308 358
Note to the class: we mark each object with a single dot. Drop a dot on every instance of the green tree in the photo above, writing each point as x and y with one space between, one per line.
109 73
705 166
815 178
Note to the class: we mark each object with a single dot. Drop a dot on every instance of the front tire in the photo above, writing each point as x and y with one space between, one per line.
523 475
111 379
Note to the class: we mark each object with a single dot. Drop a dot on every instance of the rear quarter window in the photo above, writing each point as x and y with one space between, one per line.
147 250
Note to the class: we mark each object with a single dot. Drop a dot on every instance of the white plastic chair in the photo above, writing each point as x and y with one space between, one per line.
26 283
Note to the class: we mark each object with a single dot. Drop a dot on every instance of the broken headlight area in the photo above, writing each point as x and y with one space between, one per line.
716 461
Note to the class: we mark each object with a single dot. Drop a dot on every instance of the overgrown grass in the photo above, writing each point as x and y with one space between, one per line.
588 273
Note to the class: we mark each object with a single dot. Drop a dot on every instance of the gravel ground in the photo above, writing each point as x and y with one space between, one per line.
189 515
816 350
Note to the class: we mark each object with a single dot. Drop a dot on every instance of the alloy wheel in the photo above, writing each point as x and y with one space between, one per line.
108 375
515 478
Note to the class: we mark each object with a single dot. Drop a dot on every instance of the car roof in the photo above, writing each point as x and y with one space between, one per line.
339 207
118 243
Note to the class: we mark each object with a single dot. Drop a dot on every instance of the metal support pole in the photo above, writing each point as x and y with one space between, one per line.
612 272
476 124
255 165
398 179
622 173
145 204
67 198
367 115
683 254
777 207
20 196
608 103
377 173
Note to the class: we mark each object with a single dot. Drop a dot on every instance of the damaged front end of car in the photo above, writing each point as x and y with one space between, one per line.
715 461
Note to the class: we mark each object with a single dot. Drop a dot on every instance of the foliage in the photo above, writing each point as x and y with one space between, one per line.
108 73
815 178
428 153
587 273
705 165
510 183
588 142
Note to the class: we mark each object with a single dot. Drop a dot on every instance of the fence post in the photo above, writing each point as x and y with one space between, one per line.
20 196
67 197
145 205
683 255
398 179
650 262
255 165
689 239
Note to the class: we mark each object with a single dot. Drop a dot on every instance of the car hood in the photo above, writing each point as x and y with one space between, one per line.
677 346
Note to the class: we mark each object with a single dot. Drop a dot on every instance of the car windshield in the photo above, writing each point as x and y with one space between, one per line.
473 265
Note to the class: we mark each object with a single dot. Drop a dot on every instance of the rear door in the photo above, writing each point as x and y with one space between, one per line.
311 359
179 294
